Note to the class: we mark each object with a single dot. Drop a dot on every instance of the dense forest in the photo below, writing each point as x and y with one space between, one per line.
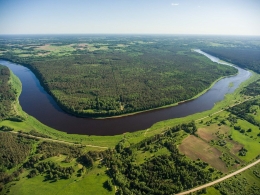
20 154
13 151
252 89
167 172
7 93
244 57
113 76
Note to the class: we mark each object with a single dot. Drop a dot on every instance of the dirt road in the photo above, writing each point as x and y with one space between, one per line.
221 179
60 141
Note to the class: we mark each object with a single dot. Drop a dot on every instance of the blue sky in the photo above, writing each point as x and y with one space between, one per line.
227 17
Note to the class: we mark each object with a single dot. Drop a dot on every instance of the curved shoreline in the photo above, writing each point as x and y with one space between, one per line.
170 105
41 105
65 109
181 102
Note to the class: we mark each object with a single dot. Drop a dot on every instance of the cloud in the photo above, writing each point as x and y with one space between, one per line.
175 4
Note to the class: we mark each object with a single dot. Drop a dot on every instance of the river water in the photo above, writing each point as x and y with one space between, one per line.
38 103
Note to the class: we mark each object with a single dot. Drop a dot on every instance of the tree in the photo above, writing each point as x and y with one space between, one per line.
108 185
87 160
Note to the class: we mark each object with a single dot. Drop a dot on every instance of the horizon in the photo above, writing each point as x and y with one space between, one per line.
169 17
126 34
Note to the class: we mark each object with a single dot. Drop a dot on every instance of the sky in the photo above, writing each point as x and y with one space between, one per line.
214 17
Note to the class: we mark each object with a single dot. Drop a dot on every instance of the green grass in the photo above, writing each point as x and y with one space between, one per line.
251 144
142 156
90 183
212 191
59 159
247 176
248 140
111 141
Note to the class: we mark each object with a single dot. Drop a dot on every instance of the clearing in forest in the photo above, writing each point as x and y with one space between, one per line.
209 133
195 148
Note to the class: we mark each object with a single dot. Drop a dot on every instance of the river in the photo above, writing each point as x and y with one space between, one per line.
38 103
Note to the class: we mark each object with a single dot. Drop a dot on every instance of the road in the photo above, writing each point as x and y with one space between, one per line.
220 180
224 109
59 141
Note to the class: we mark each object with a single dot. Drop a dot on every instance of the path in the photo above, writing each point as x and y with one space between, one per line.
60 141
224 109
214 112
220 180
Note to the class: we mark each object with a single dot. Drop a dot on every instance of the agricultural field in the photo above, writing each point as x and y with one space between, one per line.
195 149
173 155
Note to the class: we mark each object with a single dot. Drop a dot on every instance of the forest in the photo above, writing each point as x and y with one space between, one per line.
248 110
7 94
112 76
252 89
144 165
248 58
166 171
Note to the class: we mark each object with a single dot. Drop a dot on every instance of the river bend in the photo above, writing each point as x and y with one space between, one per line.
38 103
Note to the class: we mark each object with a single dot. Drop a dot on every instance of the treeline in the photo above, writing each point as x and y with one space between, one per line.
248 58
52 170
7 94
16 153
108 83
240 185
159 174
49 149
252 89
13 150
246 111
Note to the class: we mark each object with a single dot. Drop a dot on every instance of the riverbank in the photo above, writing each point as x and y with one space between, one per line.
184 101
110 141
52 115
166 106
95 115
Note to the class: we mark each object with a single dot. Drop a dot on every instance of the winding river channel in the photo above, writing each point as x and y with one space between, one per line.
38 103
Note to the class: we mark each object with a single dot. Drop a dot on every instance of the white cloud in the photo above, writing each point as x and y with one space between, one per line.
175 4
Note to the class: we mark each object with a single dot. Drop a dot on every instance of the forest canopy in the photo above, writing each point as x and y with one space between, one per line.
107 76
7 93
244 57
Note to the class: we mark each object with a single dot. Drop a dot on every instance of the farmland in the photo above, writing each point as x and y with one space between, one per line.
215 142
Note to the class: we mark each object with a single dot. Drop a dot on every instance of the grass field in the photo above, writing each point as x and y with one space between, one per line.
249 140
90 183
233 140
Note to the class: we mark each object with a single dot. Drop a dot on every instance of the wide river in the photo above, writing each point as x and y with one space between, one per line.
38 103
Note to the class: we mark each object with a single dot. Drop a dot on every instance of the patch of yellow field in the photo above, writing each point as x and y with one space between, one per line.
208 133
195 148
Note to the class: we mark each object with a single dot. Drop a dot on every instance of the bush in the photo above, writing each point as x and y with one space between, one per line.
6 128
